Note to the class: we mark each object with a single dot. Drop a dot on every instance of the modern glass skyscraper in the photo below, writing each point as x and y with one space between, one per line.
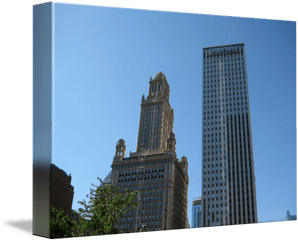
108 178
196 213
228 180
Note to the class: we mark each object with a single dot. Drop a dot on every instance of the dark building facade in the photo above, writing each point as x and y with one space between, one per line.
153 170
228 180
61 191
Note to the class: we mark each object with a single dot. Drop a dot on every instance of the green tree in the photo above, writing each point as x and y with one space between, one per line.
143 229
105 206
60 224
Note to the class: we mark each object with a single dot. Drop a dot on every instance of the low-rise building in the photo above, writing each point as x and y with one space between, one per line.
61 190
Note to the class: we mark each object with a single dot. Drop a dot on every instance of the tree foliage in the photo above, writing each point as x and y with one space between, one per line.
143 229
105 206
98 216
60 224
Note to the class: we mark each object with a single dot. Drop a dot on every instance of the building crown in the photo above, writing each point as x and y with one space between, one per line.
120 143
159 77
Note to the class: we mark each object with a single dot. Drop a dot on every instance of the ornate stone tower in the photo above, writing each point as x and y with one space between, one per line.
171 142
120 150
153 170
156 117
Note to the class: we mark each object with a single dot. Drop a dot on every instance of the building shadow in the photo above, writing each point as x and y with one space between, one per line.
23 225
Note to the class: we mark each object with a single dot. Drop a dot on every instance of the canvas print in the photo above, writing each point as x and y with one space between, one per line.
151 121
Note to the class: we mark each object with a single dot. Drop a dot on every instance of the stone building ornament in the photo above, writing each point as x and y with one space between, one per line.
156 145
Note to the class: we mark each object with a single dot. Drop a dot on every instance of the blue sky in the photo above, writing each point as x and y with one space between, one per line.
104 58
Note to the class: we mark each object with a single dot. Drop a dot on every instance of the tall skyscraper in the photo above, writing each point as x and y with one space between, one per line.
228 180
153 170
196 212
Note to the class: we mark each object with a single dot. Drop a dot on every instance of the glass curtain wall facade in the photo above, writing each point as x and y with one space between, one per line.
228 180
290 217
196 213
